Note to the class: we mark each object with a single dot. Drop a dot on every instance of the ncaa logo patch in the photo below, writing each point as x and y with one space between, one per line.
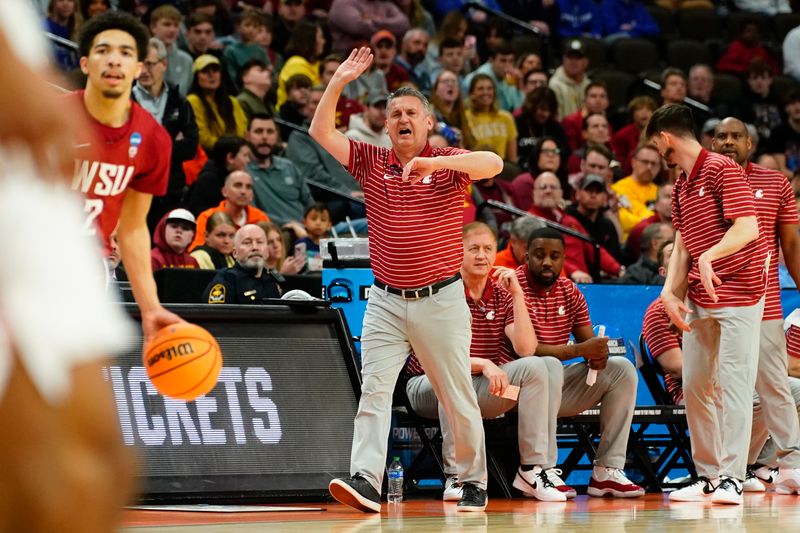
135 142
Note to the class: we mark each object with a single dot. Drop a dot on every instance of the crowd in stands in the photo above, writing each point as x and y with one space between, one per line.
235 84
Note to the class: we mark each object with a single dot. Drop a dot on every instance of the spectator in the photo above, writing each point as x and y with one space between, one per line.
569 81
537 119
531 81
229 154
784 141
280 189
304 50
595 100
791 54
637 193
218 12
317 222
499 66
216 252
673 86
590 210
354 21
744 49
662 213
558 310
451 57
237 193
63 20
370 126
171 240
314 161
647 269
256 82
413 58
453 28
580 18
513 256
238 54
545 157
418 16
276 252
527 62
625 141
298 90
492 128
216 112
90 8
384 48
448 107
594 131
290 12
165 22
174 113
200 37
246 282
548 200
701 83
761 105
627 18
595 159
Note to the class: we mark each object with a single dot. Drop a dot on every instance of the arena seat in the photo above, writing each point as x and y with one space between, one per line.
596 52
684 53
635 55
737 19
727 88
618 84
700 25
783 84
783 23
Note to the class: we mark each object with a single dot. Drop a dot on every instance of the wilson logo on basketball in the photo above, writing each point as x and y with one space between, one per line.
173 351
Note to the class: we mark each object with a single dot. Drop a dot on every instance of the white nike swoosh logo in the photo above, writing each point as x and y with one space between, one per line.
84 145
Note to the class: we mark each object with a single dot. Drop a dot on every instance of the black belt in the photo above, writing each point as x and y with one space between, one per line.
416 294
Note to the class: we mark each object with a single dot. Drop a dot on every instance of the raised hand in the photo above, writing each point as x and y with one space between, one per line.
418 168
507 279
355 65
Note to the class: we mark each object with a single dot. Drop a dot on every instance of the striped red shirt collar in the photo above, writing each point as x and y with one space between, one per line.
488 292
427 151
697 164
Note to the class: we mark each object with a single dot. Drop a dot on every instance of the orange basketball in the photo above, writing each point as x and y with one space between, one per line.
183 361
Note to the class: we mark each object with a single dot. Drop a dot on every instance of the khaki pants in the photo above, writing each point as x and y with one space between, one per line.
763 449
438 329
615 391
719 375
539 379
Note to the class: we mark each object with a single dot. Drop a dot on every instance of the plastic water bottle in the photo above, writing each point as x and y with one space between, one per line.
395 472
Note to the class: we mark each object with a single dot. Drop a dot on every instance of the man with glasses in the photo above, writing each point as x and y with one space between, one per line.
637 193
173 112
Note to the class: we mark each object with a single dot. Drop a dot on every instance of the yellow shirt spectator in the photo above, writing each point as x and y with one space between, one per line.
634 199
296 65
493 131
211 131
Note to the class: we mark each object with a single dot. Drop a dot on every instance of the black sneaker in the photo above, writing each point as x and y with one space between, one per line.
357 493
473 498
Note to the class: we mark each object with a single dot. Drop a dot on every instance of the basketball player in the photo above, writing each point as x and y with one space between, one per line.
778 221
63 466
718 255
414 195
126 161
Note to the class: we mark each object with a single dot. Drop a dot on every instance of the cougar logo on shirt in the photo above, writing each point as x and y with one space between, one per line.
702 191
101 179
759 193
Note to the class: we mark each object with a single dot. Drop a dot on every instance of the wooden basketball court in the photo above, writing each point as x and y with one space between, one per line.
761 512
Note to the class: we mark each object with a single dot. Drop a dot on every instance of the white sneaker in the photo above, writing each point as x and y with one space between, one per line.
729 491
535 484
607 481
788 481
554 475
452 489
698 491
752 483
766 475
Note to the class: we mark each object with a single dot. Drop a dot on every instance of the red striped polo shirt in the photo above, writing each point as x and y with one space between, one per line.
555 312
660 338
414 230
704 205
793 341
774 205
490 316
